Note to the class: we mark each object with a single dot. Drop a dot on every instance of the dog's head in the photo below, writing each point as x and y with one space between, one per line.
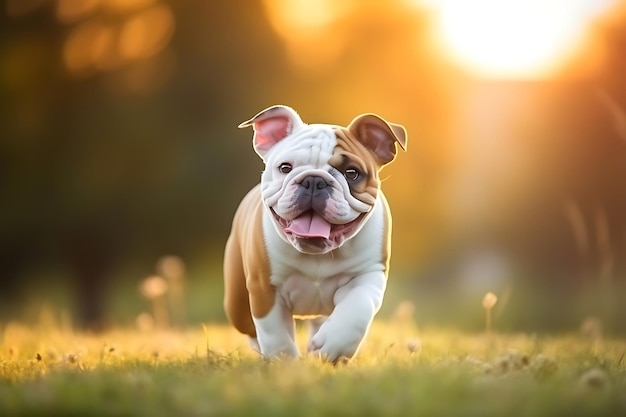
321 181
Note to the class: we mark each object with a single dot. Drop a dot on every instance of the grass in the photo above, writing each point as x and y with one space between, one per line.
400 371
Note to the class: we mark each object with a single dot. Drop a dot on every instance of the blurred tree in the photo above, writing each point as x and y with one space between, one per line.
119 161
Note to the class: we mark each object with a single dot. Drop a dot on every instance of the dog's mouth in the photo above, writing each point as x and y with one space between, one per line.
311 225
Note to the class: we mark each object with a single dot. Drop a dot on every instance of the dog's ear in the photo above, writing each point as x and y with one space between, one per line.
271 126
379 136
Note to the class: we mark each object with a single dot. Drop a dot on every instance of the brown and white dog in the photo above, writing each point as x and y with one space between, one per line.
312 240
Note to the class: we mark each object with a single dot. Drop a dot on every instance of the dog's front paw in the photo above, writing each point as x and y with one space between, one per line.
334 346
278 350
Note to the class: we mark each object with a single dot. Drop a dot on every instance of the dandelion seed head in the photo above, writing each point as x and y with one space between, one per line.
489 300
414 345
153 287
595 379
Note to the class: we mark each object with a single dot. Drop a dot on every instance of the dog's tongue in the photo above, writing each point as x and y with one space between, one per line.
310 224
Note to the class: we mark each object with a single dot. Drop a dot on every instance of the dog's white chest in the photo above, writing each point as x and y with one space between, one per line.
307 284
307 296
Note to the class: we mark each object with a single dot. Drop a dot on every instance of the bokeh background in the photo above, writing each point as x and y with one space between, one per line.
120 159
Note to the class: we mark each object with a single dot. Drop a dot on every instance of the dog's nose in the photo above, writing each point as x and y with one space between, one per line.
313 183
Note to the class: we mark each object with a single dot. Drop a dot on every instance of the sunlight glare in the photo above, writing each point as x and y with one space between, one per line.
305 27
516 38
299 18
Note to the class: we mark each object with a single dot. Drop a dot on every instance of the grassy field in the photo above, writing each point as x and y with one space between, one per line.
401 370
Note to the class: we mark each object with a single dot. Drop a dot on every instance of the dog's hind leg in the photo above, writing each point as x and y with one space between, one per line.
236 298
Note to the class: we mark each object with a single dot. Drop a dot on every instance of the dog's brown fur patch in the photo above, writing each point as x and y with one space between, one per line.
247 287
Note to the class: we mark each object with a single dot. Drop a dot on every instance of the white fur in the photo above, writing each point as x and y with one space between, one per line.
346 284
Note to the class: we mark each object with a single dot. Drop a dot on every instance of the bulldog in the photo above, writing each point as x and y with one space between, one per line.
312 240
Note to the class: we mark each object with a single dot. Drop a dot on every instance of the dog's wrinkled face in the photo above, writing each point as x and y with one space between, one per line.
307 185
321 181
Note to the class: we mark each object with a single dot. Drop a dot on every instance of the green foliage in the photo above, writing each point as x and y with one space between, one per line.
399 371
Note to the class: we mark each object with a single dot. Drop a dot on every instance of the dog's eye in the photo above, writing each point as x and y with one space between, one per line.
285 168
352 174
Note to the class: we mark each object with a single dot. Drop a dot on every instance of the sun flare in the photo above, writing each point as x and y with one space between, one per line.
514 38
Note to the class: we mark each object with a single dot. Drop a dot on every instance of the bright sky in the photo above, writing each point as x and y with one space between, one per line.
488 38
513 38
